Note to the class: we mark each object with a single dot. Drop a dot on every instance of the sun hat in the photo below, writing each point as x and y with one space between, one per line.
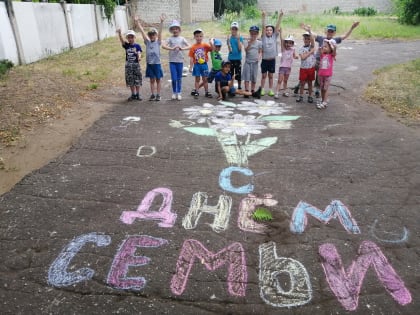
175 23
289 38
254 28
331 27
130 32
234 25
306 34
217 42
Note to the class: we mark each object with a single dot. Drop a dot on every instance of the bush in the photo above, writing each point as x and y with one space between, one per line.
5 65
365 11
408 11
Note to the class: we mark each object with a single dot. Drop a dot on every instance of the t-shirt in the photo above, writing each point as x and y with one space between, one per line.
252 53
176 55
222 78
152 52
308 62
216 60
320 40
286 59
199 52
269 46
326 65
131 52
235 54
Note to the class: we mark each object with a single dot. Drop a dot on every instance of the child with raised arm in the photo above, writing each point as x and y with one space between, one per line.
133 77
269 52
153 41
288 53
253 51
325 71
198 63
307 66
224 83
176 44
216 58
234 42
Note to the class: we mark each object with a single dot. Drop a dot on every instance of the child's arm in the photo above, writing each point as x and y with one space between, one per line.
277 30
120 36
138 24
211 42
307 28
282 45
162 19
353 26
263 23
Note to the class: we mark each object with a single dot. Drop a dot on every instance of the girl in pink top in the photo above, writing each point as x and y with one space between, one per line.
325 71
288 53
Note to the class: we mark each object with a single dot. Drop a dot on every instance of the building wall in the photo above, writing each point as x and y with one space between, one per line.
317 6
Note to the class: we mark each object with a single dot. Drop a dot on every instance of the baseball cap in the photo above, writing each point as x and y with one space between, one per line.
289 38
234 25
306 34
130 32
331 27
217 42
175 23
226 62
198 30
254 28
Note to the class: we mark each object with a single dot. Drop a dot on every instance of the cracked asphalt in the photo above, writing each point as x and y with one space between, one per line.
150 211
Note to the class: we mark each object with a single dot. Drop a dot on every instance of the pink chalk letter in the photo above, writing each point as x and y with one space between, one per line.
233 255
166 217
346 284
125 258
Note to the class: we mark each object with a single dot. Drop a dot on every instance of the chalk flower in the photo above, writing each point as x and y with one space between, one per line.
239 124
262 107
207 111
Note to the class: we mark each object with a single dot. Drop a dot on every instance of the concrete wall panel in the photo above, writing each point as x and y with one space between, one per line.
8 48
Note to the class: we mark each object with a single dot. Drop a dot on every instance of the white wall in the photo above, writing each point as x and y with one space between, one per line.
8 48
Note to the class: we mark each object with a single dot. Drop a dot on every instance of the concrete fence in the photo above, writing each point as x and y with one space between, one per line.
33 31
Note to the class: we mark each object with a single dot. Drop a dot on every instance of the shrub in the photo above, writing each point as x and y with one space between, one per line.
5 65
365 11
408 11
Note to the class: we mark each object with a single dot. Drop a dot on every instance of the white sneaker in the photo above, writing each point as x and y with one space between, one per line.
179 97
319 104
276 95
173 97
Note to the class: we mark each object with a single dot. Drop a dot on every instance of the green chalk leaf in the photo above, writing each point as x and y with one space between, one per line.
202 131
262 214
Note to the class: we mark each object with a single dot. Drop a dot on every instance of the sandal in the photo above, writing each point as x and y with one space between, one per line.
286 94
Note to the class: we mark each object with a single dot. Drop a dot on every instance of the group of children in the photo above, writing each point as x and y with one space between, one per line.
315 64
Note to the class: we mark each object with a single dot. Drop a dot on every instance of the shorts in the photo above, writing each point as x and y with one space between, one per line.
285 70
133 74
324 82
212 75
236 69
307 74
200 70
268 65
250 71
154 71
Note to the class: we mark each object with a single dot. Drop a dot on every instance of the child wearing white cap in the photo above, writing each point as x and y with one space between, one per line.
234 43
133 51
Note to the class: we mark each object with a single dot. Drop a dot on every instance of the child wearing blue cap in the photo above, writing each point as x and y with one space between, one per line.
216 58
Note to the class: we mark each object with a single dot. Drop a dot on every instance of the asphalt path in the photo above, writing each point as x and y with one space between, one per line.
151 212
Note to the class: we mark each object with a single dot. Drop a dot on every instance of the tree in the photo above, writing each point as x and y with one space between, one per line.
220 6
408 11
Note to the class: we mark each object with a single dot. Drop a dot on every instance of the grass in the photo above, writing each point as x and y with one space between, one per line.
396 88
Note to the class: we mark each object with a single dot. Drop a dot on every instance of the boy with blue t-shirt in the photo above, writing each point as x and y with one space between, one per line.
234 43
133 51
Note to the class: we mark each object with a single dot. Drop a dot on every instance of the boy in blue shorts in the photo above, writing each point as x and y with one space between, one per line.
224 84
198 63
153 41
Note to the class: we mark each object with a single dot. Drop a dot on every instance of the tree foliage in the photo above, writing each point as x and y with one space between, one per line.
220 6
408 11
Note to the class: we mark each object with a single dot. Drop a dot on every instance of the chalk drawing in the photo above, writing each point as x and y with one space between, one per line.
335 209
151 148
125 122
125 258
247 208
58 275
225 182
199 206
232 255
181 123
233 131
271 267
164 215
399 238
346 284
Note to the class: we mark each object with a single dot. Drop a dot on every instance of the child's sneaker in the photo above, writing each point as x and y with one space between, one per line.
173 97
310 99
157 97
193 92
299 99
138 97
257 93
208 95
132 98
196 94
276 95
179 97
152 97
325 104
262 92
319 104
296 90
270 93
317 93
